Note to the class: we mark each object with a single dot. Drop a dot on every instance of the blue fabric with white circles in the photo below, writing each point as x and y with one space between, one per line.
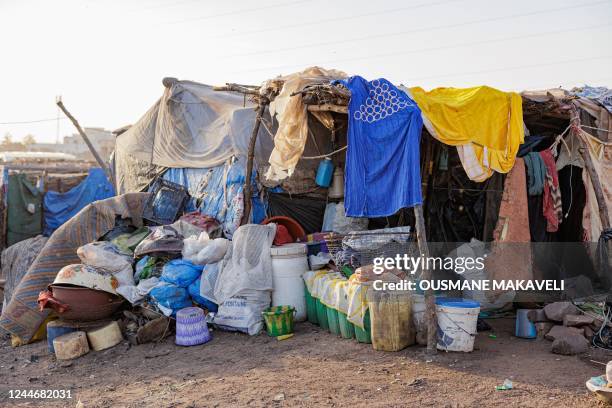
382 161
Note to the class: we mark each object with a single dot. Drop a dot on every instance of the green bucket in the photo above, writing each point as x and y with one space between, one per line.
347 330
311 307
332 321
363 335
279 320
321 315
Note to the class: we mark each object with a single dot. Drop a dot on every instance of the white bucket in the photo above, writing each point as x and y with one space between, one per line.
457 325
289 262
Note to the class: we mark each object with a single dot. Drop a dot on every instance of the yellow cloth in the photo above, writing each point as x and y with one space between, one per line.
484 123
357 294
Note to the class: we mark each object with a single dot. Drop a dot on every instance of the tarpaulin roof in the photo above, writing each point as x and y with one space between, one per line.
191 125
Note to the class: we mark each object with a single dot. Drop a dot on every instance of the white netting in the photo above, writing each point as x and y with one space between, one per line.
248 265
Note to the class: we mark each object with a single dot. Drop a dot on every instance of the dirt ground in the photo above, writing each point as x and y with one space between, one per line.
313 368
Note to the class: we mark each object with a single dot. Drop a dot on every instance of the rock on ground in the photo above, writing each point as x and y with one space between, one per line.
562 331
557 311
577 320
570 345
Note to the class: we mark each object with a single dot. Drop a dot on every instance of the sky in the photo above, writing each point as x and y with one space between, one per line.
107 58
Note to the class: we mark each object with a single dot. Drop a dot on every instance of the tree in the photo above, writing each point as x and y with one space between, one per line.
7 139
29 140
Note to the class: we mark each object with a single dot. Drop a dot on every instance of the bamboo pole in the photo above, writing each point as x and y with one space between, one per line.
91 147
430 306
247 191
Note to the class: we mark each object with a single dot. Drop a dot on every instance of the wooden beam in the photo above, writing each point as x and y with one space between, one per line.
328 108
247 190
430 304
91 147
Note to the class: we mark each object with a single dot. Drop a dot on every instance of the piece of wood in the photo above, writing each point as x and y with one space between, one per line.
328 108
245 89
71 345
91 147
247 190
426 275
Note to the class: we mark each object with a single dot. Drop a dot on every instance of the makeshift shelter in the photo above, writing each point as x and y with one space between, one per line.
37 197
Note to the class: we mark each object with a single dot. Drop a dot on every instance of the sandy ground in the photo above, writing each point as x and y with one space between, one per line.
313 368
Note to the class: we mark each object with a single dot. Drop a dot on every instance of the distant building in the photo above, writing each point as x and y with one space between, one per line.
102 139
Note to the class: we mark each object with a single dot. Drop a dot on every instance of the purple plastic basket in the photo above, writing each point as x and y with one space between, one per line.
191 328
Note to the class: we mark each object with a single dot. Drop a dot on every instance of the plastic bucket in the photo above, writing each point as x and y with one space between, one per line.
289 262
332 321
524 327
347 330
321 315
363 335
457 319
279 320
311 307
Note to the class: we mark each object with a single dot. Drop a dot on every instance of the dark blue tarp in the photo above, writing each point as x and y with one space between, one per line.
60 207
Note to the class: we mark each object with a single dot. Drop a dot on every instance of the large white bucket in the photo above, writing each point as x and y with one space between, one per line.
457 320
289 262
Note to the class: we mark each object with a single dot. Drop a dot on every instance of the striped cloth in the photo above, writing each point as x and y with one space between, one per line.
21 317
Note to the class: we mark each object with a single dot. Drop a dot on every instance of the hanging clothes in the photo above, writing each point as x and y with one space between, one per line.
552 193
24 215
484 123
536 170
382 161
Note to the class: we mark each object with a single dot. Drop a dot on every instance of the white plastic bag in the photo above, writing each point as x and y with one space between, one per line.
135 294
202 250
243 312
248 265
104 255
208 279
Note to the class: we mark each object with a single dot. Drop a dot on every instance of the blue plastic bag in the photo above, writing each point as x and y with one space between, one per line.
180 272
170 296
194 291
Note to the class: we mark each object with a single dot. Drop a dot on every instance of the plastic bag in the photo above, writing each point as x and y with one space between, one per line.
243 312
343 224
208 279
104 255
170 296
135 294
202 250
248 266
148 267
180 272
194 292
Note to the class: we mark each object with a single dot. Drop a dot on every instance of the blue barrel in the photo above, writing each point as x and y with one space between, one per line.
524 327
325 173
55 329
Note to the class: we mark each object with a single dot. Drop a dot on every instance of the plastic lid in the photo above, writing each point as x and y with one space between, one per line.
457 302
295 248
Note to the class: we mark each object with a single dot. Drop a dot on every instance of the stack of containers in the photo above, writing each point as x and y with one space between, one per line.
337 305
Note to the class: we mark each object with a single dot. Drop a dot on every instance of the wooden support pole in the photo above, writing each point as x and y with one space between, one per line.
248 191
430 306
91 147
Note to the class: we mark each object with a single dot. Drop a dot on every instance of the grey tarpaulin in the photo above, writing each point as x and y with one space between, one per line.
191 125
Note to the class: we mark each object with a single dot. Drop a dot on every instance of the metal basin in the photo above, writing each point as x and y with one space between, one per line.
85 304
